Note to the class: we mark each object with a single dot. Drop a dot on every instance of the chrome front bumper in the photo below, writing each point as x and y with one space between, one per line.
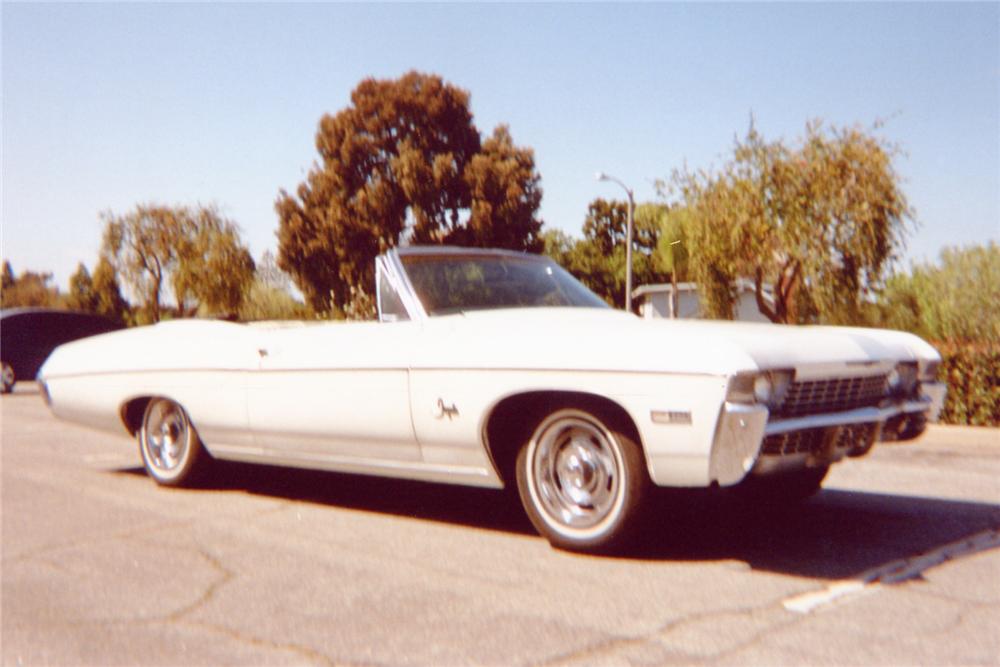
738 448
739 435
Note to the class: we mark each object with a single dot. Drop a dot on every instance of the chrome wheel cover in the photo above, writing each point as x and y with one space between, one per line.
166 436
576 474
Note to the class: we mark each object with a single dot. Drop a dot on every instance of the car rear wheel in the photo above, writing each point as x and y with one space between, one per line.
170 447
582 480
7 378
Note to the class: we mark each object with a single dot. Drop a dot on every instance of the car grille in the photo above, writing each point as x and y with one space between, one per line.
834 395
854 438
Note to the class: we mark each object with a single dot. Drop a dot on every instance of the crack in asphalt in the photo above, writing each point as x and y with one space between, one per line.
659 637
48 556
227 576
257 642
41 552
224 576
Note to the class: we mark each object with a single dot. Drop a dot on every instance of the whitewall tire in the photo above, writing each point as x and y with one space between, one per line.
582 480
170 447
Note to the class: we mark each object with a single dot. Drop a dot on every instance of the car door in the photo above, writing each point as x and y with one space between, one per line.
334 392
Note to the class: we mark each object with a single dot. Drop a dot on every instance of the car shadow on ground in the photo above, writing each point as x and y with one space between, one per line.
836 534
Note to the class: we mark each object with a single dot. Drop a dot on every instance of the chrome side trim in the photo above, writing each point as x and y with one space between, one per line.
430 472
738 439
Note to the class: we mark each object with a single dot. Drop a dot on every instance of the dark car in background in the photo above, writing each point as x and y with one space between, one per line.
28 336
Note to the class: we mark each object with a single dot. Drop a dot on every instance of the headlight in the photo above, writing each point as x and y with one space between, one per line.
763 389
766 387
930 371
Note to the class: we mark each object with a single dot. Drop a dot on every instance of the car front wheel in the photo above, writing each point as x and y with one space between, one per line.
170 447
582 480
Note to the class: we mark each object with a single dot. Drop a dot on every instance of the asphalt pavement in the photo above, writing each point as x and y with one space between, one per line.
895 561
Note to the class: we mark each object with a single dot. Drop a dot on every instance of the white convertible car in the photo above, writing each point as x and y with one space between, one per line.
494 368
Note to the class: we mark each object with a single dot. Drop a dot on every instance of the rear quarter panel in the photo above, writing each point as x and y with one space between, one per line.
201 365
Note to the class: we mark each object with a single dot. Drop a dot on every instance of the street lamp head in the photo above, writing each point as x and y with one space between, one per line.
601 176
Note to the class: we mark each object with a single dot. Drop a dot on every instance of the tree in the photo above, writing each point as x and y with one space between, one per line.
269 297
214 269
558 245
196 251
8 276
598 259
402 162
954 300
268 273
820 223
671 253
30 289
505 196
107 293
142 247
81 291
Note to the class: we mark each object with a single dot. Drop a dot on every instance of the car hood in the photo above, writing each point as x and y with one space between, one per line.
597 339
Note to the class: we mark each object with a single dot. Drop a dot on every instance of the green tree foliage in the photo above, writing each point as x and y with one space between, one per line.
269 297
107 293
953 303
820 222
403 161
142 247
29 289
972 372
598 259
671 253
194 250
267 303
557 244
99 294
954 300
81 295
215 269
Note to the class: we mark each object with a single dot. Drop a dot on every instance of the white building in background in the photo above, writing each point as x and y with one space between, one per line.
655 301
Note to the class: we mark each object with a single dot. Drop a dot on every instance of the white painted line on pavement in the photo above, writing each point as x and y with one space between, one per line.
895 572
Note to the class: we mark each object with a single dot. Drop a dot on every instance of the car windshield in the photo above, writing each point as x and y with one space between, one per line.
450 284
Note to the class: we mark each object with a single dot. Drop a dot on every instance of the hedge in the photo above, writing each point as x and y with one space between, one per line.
972 372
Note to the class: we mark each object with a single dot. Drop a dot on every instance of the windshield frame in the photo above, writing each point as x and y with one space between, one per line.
394 264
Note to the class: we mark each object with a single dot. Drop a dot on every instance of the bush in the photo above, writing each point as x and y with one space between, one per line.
972 373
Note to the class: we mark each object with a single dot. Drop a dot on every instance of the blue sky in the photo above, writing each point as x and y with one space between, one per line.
109 105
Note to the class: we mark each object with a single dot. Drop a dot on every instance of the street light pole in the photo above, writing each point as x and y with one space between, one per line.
601 176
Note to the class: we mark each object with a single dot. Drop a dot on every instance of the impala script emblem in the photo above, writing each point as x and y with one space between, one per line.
443 410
